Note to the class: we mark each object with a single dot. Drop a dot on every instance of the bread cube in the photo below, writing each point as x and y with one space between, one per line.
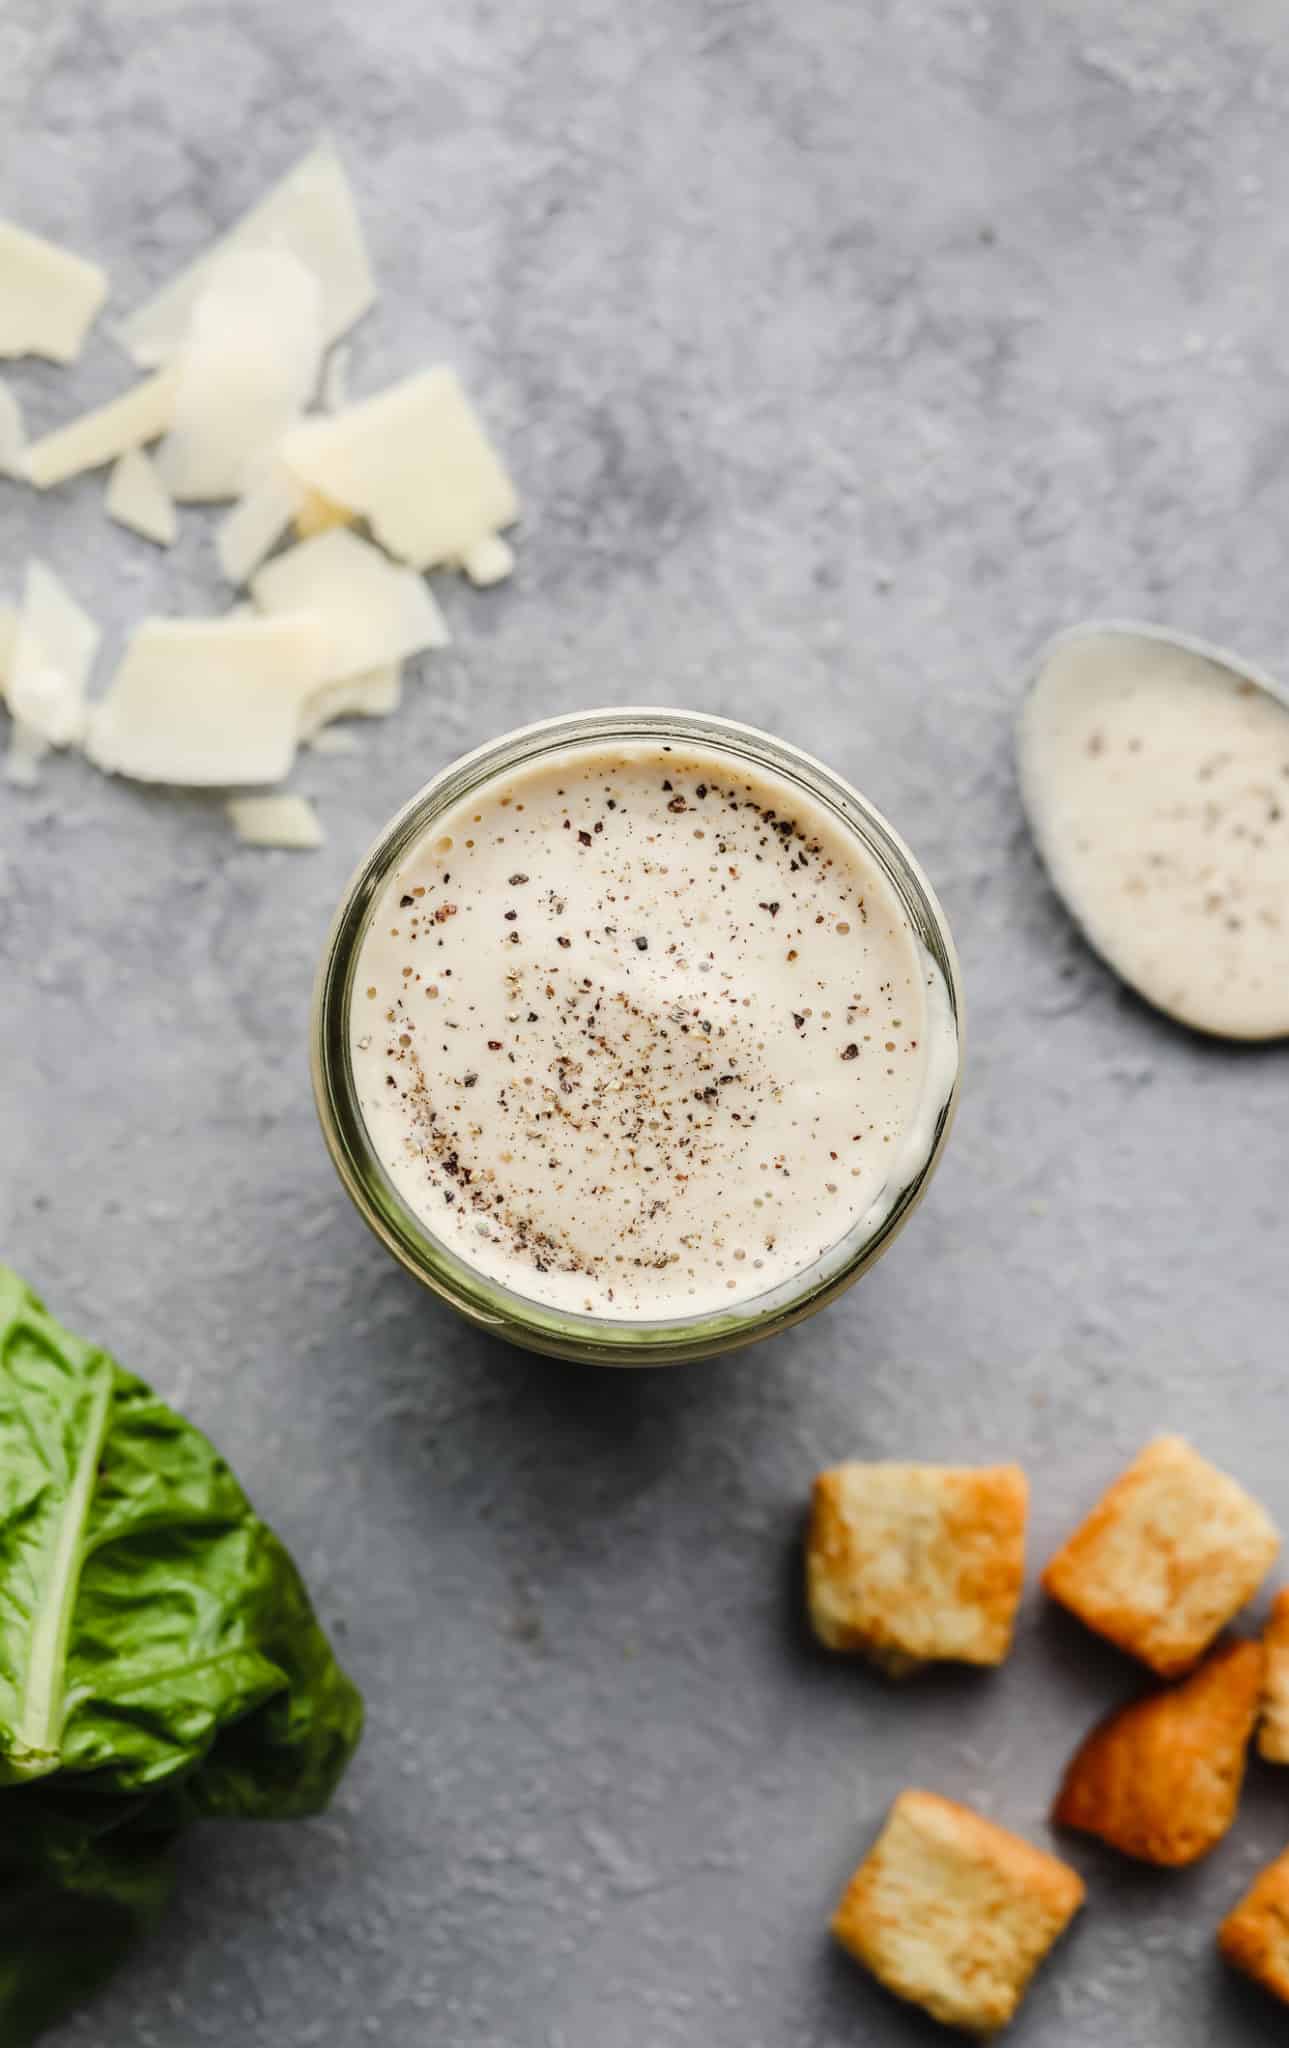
1160 1780
1166 1557
910 1563
1273 1733
1254 1936
953 1913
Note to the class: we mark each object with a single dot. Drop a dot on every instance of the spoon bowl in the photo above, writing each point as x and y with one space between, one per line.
1154 770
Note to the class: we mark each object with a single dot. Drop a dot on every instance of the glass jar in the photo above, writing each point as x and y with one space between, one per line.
597 1339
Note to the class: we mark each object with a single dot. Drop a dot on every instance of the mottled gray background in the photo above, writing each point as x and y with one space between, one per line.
842 351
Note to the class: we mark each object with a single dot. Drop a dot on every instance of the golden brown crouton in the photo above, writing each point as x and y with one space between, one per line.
1273 1733
1161 1779
1166 1557
1255 1935
907 1563
953 1913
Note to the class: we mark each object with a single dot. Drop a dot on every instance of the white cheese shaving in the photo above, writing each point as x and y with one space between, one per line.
333 740
249 366
12 434
311 214
372 611
288 821
53 653
489 561
48 297
374 695
256 523
140 415
14 761
8 634
137 498
415 462
335 378
44 714
48 661
206 702
316 514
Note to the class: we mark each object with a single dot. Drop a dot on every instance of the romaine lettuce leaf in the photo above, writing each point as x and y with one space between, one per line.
76 1888
159 1659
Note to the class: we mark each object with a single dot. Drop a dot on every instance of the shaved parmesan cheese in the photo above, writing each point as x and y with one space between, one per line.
371 611
19 767
48 297
256 523
209 701
8 634
250 365
312 215
333 740
44 711
97 437
335 378
48 664
489 561
316 514
137 498
374 695
289 821
12 434
53 653
415 463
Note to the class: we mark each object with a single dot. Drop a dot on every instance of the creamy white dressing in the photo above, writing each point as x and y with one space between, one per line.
1157 783
641 1032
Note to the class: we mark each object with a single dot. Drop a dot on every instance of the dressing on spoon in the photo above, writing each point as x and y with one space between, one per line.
1156 777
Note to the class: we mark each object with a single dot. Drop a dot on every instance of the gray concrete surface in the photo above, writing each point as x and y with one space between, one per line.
843 352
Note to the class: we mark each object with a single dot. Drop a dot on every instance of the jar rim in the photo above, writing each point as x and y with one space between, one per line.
489 1303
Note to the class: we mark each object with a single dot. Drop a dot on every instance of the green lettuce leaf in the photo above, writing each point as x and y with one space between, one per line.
78 1883
191 1621
55 1400
159 1658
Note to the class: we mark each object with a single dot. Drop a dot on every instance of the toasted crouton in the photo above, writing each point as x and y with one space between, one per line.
1255 1935
953 1913
1273 1733
1161 1779
1166 1557
908 1563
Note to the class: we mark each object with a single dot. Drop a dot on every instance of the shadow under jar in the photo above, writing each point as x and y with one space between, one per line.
637 1036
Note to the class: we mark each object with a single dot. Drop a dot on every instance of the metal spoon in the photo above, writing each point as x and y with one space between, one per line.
1154 769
